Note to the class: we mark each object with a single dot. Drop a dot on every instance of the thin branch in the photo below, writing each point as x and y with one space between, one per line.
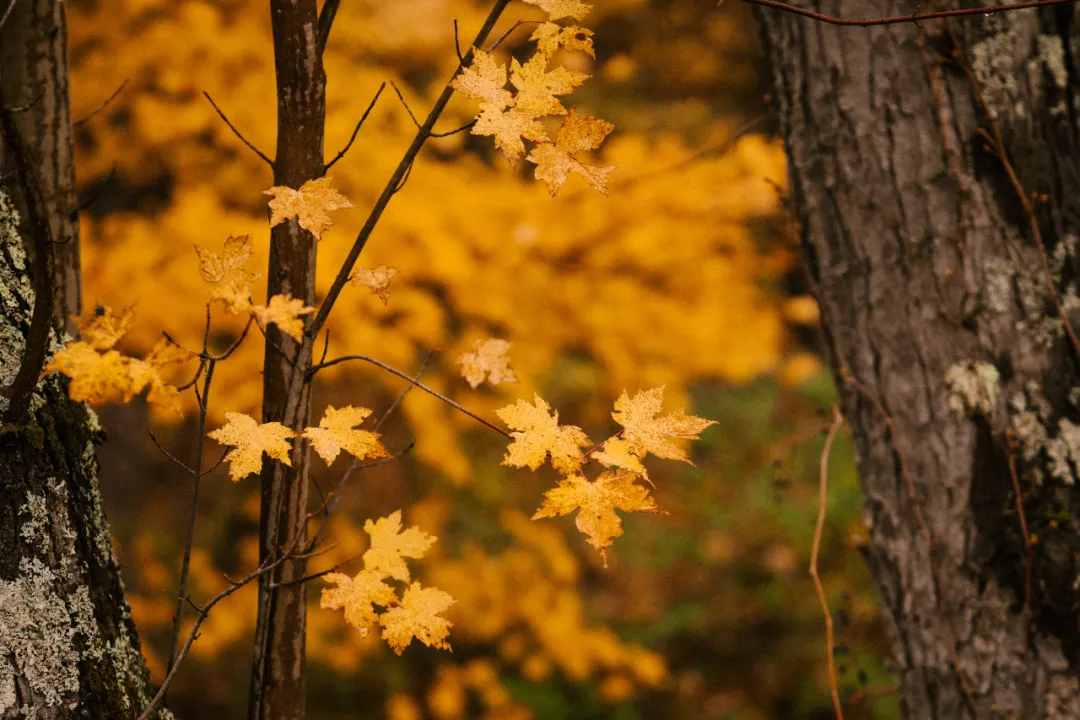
164 451
235 344
406 104
384 199
448 133
819 528
1029 546
457 42
7 13
404 179
22 387
389 368
370 107
506 34
237 133
196 476
915 17
102 106
315 576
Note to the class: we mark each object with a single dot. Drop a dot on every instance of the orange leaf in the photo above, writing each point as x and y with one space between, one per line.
250 440
310 204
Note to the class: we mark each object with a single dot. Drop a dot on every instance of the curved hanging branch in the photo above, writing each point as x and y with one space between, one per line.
915 17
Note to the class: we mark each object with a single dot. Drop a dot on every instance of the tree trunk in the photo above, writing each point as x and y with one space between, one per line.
68 646
277 685
950 353
34 70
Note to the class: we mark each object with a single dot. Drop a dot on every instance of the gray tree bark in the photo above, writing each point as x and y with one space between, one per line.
949 350
68 646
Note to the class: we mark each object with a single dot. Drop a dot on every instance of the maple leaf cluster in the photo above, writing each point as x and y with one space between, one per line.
512 117
100 373
416 613
538 437
336 432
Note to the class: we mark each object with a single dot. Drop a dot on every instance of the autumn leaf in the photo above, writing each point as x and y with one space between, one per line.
96 378
250 440
390 546
537 86
649 433
284 311
225 272
484 79
101 329
563 8
336 432
508 127
310 205
596 503
376 279
148 373
549 37
540 434
488 360
619 453
418 616
555 161
357 595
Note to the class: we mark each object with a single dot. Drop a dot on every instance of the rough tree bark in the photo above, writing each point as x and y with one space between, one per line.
950 353
68 646
277 683
34 70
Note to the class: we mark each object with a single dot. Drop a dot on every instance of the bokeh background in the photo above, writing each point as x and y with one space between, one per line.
685 276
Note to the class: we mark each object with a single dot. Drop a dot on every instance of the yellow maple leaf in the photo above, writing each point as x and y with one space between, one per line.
418 616
555 161
540 434
249 441
357 595
619 453
148 372
563 8
484 79
488 360
537 86
336 432
649 433
549 37
310 205
508 127
226 273
96 378
390 546
597 502
377 279
101 329
284 311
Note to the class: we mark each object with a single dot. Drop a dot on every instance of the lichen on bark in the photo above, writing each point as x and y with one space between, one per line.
68 647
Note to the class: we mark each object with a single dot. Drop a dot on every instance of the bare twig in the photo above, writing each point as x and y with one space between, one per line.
164 451
417 383
102 106
915 17
1029 547
457 42
371 105
95 193
515 26
7 13
315 576
406 104
819 528
22 387
196 476
237 133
